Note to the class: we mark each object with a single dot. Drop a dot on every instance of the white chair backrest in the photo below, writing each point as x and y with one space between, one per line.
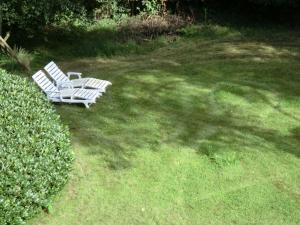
55 73
43 82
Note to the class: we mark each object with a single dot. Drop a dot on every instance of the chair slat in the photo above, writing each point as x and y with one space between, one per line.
56 73
43 82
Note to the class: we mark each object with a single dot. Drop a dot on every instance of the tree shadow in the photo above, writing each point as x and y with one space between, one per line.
209 95
184 106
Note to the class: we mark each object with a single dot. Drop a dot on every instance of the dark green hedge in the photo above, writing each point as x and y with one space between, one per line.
35 156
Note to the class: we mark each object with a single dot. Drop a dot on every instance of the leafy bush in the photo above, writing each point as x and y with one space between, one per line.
32 16
34 150
110 9
118 9
150 6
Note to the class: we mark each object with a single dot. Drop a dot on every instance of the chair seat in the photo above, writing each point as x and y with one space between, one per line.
91 83
76 93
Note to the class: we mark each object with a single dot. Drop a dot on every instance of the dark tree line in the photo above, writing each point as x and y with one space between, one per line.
32 15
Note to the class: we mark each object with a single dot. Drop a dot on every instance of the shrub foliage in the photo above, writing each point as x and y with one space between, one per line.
150 26
35 158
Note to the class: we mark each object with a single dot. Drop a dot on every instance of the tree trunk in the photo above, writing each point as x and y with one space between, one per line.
0 22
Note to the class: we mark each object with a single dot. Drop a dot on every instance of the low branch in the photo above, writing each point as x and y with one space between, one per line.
6 36
10 51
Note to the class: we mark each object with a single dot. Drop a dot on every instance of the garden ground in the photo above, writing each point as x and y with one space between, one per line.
201 130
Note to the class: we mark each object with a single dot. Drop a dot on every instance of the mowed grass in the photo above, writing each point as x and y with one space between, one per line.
205 130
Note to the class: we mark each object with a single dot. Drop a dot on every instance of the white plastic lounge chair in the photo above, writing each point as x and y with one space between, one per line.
70 95
61 78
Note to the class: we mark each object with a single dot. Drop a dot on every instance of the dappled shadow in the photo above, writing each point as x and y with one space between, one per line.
212 96
73 42
99 40
106 40
208 125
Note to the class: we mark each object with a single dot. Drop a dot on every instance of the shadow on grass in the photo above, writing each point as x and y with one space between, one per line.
215 91
204 97
105 40
99 40
73 42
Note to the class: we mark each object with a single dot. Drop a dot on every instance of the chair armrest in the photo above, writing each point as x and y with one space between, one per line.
62 98
75 74
50 92
62 85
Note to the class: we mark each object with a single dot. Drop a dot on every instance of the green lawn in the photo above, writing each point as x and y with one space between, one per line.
203 130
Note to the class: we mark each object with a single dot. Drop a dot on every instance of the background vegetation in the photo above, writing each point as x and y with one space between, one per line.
32 16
